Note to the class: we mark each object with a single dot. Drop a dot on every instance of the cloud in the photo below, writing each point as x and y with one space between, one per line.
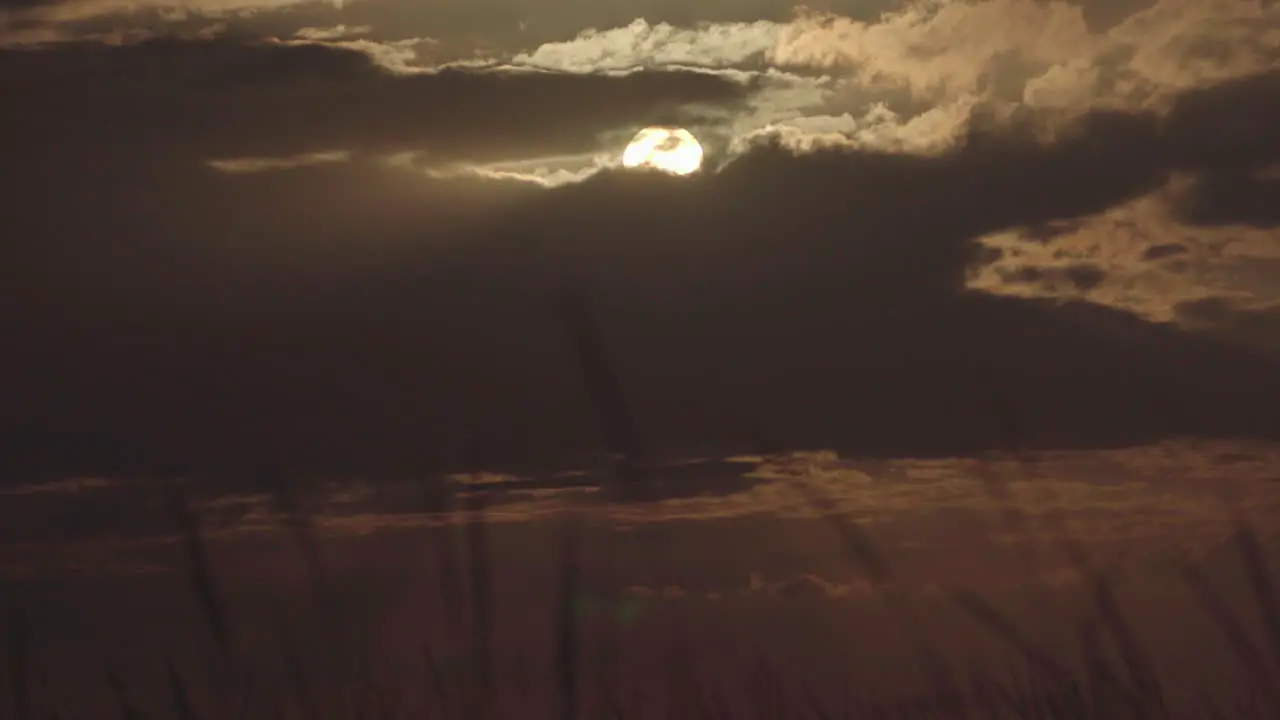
1207 230
902 247
225 98
263 164
545 172
822 291
1059 280
404 56
71 11
1044 54
337 32
934 48
61 487
1180 44
1239 319
1135 257
641 44
909 78
880 128
912 77
25 23
1162 251
808 586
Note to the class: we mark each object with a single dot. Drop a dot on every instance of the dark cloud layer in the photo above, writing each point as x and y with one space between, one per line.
361 313
1228 318
227 98
504 24
1228 136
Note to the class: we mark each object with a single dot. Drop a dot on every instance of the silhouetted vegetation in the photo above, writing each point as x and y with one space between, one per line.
224 685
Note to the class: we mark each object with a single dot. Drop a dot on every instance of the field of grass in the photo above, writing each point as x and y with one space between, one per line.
311 666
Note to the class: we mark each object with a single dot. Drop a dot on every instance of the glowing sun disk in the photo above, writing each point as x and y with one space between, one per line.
671 150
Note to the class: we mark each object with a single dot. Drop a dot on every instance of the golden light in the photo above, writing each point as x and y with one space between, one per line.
671 150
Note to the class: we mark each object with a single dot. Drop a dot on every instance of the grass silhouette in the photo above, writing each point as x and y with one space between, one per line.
324 676
1119 679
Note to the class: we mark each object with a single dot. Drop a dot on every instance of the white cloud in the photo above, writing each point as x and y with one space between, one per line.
942 49
936 48
1152 262
544 171
1067 85
1178 44
641 44
829 79
403 56
337 32
880 128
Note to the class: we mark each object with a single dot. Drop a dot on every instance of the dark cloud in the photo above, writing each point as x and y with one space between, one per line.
21 5
227 98
1229 127
1046 232
1229 318
357 313
506 24
1206 310
1164 251
1228 134
1081 276
1225 198
829 297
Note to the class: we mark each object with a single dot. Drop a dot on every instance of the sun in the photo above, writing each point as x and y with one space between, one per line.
669 149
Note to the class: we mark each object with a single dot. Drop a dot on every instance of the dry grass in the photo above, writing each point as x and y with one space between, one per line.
1120 684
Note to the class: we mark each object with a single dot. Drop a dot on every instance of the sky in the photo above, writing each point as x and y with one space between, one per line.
341 230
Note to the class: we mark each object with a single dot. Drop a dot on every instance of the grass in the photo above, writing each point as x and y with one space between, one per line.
322 675
1119 679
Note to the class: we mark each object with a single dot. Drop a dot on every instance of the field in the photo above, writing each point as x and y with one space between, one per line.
1127 583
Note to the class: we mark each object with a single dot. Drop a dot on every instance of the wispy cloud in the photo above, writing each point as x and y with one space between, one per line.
952 58
642 44
1128 504
61 487
1149 260
336 32
264 164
